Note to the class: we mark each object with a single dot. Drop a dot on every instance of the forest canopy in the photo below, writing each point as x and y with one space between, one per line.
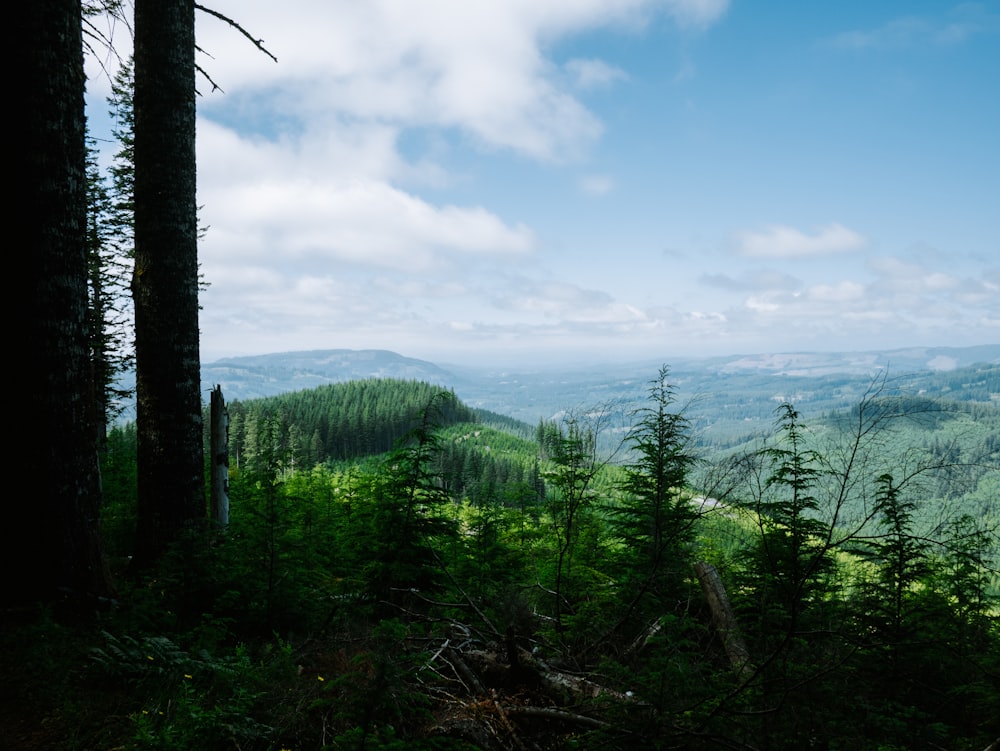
439 579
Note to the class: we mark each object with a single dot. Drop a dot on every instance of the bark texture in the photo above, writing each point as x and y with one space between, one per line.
51 529
165 278
723 617
220 459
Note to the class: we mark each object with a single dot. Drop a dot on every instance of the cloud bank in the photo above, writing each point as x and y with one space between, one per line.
787 242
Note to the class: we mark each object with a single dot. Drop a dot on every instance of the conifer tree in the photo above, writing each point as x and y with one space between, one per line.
54 533
108 302
790 555
902 558
405 515
165 278
655 518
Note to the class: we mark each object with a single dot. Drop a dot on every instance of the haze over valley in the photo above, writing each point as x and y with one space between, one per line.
726 397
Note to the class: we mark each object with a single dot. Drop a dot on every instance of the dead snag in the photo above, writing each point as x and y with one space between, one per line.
722 616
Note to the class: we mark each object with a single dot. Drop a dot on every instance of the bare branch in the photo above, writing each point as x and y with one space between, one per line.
99 43
258 43
558 715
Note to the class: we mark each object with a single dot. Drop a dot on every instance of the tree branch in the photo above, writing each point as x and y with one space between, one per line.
258 43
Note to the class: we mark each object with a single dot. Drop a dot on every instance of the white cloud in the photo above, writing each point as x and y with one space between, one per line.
900 277
887 299
329 200
780 241
591 74
365 222
479 66
760 305
905 284
417 289
569 303
752 280
842 292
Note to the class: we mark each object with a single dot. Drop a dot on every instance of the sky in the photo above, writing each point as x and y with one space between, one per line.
555 181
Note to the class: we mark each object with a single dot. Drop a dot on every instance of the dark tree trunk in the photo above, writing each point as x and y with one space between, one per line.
165 279
52 526
219 442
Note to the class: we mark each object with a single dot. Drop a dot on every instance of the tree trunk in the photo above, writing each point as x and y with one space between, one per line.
165 278
219 452
722 616
52 529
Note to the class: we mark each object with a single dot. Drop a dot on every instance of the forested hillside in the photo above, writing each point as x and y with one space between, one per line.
403 572
339 421
727 399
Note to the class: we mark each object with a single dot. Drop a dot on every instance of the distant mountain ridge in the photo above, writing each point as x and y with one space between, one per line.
288 371
529 393
256 376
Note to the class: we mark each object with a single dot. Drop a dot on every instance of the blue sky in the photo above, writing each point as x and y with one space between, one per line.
500 181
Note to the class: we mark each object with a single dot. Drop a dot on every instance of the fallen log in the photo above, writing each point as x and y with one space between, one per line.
561 715
722 616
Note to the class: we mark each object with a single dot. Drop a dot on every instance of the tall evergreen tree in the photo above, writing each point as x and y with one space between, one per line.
165 278
655 519
122 112
109 321
902 559
791 553
54 533
786 614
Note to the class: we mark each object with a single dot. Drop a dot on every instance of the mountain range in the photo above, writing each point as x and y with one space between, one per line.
724 392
